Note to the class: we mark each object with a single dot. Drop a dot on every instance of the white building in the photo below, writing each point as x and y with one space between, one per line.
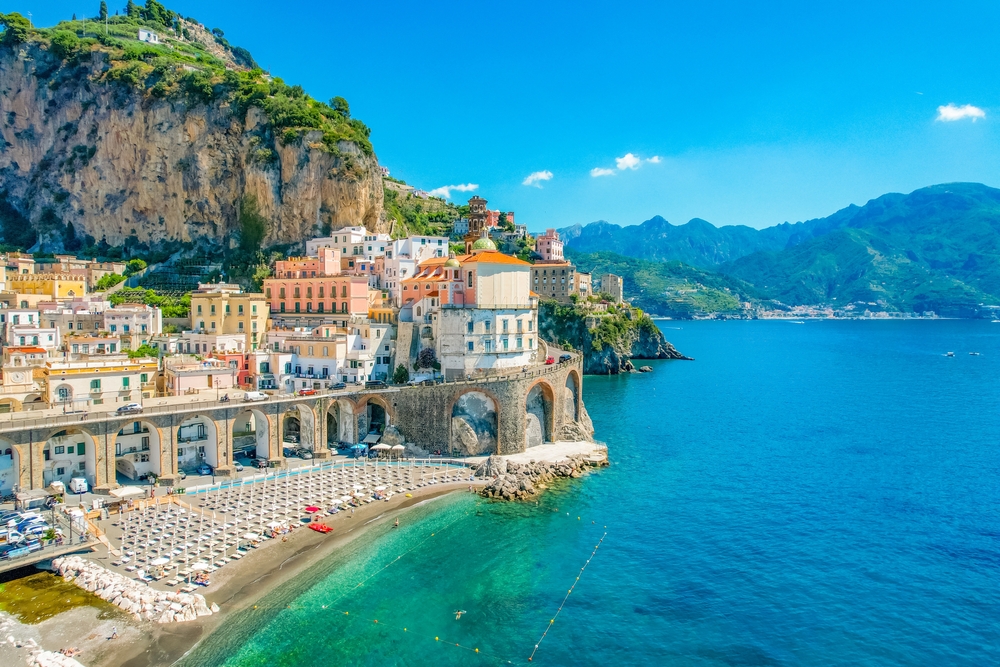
349 240
107 380
26 334
402 259
148 36
376 245
135 319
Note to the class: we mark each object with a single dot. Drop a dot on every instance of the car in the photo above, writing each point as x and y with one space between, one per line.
565 357
374 384
37 530
338 385
549 361
304 453
254 396
204 469
291 437
10 537
237 466
129 409
288 452
181 474
307 392
262 463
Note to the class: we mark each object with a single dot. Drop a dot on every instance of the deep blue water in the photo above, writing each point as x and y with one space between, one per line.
815 494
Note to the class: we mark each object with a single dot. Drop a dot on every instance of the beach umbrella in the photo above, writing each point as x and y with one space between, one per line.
251 536
274 524
162 560
311 509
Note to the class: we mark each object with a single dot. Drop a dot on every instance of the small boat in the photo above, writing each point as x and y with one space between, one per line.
974 354
321 528
949 354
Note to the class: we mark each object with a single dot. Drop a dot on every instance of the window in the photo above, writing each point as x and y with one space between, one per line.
343 307
488 345
60 449
144 378
531 343
82 466
125 383
326 351
309 292
319 308
282 309
213 325
519 343
95 385
297 293
239 309
253 308
343 292
519 327
504 344
310 348
213 309
531 324
505 326
282 292
487 325
298 307
240 326
63 393
268 292
470 278
227 309
60 471
199 309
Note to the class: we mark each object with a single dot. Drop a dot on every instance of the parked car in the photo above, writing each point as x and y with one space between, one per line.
338 385
262 463
37 530
10 536
254 396
549 361
374 384
238 466
204 469
304 453
565 357
181 474
129 409
288 452
292 437
307 392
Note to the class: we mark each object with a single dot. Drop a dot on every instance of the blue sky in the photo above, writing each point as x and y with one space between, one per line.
757 113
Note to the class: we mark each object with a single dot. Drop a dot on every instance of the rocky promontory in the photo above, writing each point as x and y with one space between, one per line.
519 481
609 339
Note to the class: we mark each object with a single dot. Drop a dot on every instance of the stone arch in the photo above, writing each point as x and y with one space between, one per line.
9 405
298 419
63 394
33 402
197 442
572 398
10 467
373 415
64 455
251 434
540 418
340 422
138 450
474 422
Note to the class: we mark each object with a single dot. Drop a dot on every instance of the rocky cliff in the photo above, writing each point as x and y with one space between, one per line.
609 342
131 147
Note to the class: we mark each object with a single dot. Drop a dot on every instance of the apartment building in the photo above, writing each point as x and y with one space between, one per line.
225 308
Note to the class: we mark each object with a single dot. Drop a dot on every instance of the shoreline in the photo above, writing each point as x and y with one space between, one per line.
239 585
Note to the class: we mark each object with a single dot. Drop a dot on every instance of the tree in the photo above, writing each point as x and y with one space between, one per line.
427 358
253 225
103 13
131 10
144 351
401 376
108 280
74 16
341 106
218 32
70 240
16 28
134 266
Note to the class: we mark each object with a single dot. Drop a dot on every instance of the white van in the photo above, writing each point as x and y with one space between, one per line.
255 396
78 485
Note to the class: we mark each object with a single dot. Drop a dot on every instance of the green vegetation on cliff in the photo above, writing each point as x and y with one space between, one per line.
608 339
183 67
416 215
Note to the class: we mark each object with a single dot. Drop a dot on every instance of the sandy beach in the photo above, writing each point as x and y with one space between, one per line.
233 588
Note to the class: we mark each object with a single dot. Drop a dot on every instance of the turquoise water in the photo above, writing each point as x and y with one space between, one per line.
815 494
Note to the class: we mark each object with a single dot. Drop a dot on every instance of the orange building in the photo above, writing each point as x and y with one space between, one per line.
316 285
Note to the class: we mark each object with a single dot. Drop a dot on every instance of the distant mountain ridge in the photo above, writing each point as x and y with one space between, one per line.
937 248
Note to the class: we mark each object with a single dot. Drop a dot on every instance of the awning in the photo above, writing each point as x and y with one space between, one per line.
127 492
372 438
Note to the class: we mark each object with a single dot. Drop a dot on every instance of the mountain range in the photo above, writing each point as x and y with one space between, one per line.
935 249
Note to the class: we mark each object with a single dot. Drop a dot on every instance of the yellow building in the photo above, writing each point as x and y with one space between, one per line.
53 285
226 309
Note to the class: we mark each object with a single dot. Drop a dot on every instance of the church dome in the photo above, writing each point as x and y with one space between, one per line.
484 244
452 263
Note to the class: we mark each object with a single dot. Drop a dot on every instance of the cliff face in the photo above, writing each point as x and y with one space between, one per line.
116 161
609 343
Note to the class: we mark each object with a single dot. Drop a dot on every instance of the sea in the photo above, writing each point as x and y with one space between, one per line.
816 493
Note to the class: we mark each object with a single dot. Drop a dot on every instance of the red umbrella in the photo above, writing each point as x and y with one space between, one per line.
312 508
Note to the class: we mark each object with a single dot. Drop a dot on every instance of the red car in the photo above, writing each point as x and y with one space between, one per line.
550 361
307 392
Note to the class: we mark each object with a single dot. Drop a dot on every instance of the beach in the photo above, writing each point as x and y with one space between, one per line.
141 644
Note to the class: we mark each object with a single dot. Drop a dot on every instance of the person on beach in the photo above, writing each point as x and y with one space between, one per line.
397 523
114 632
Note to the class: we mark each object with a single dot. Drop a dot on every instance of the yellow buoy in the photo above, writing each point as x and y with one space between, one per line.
477 650
435 639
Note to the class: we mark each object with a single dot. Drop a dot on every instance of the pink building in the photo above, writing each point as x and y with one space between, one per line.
326 264
493 218
549 245
340 294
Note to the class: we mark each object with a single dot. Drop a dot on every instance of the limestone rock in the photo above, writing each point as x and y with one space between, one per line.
392 436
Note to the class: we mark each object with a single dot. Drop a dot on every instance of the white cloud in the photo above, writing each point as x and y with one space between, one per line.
656 159
598 171
537 177
951 112
628 161
445 190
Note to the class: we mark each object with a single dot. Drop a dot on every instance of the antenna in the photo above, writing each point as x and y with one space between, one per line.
30 24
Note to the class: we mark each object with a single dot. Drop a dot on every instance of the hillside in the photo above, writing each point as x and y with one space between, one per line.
409 214
935 249
124 141
671 289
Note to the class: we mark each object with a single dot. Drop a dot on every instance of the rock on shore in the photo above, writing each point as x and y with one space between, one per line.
518 481
135 597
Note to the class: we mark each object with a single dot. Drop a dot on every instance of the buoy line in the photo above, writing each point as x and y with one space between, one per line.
563 604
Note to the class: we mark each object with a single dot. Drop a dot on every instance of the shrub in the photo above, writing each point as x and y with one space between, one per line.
65 44
427 358
134 266
108 281
401 375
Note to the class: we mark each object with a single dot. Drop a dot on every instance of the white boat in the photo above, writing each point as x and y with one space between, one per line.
974 354
949 354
